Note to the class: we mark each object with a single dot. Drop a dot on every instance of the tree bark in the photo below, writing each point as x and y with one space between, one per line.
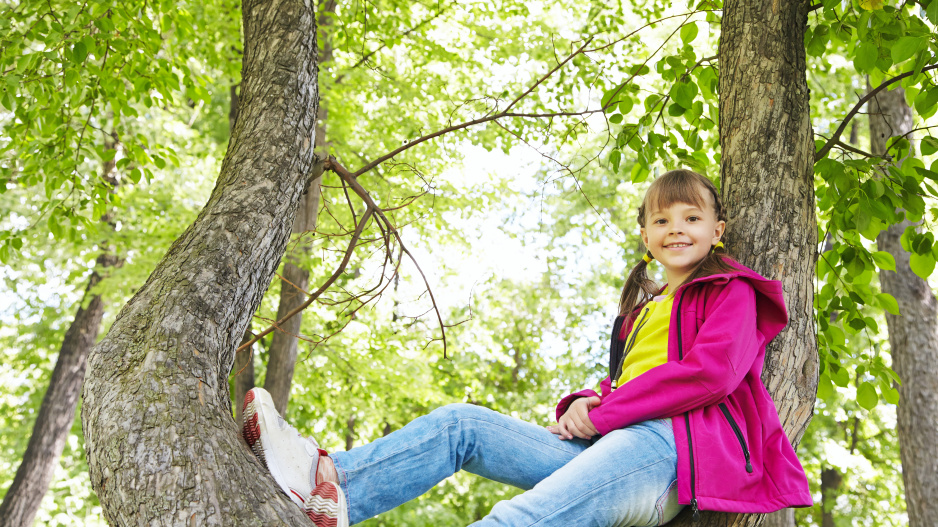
782 518
768 188
162 446
283 349
913 338
830 483
57 412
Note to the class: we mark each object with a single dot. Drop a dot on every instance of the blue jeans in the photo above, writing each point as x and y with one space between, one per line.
625 478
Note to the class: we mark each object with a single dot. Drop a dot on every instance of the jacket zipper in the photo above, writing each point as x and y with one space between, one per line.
739 435
690 444
628 347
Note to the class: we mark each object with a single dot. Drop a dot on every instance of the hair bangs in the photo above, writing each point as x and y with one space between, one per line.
675 186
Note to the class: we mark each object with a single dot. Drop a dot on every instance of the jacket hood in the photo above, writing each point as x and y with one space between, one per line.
770 301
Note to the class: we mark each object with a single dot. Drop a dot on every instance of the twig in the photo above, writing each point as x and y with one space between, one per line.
856 108
322 289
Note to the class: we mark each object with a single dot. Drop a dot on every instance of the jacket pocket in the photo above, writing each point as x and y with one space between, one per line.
739 435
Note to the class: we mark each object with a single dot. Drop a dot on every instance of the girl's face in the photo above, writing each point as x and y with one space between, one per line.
680 236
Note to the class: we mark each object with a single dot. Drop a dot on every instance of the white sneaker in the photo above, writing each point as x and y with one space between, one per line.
291 458
326 506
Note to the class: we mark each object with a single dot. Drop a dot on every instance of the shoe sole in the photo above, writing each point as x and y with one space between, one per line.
326 506
256 426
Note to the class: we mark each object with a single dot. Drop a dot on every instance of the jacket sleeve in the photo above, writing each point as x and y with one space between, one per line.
725 347
564 403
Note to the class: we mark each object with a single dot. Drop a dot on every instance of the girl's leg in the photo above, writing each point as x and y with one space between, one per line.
627 478
395 469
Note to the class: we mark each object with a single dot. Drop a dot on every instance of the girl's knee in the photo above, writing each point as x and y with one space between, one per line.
453 413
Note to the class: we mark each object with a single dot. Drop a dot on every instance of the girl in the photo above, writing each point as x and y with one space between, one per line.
682 419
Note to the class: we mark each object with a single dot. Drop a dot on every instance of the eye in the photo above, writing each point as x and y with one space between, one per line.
660 221
693 218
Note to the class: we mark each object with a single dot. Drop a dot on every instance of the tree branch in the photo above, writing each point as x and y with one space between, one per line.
835 138
322 289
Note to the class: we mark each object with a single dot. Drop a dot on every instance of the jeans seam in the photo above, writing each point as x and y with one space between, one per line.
343 485
564 506
659 504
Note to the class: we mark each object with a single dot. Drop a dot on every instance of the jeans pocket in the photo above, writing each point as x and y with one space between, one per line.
667 504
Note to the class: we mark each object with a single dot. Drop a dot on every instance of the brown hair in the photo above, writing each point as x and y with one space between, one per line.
675 186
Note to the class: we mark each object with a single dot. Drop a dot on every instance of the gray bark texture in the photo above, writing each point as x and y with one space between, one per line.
281 362
768 188
57 412
782 518
913 338
162 446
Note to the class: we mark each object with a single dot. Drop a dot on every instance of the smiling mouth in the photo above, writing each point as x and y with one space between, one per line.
677 245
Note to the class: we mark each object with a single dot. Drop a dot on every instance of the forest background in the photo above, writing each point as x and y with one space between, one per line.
116 118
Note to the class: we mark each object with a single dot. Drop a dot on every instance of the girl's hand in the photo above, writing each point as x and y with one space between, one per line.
576 421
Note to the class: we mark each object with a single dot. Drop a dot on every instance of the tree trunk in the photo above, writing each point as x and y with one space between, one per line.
162 446
913 338
830 483
57 412
782 518
768 187
283 349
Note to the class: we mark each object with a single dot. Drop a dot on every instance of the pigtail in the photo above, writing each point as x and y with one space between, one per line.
638 288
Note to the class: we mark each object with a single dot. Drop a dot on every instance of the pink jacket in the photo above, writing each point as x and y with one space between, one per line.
734 456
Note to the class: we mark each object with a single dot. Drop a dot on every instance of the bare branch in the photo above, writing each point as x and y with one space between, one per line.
835 138
322 289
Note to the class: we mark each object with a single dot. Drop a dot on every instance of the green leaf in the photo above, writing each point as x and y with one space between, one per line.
929 143
927 99
825 389
889 303
922 264
884 261
625 105
866 396
613 94
79 52
839 376
688 32
615 118
72 78
865 56
906 47
615 157
932 12
684 92
8 101
891 395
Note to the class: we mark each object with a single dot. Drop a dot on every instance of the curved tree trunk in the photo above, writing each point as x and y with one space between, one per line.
283 348
768 187
57 412
162 446
913 337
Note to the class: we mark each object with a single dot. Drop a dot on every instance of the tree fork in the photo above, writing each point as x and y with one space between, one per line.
161 443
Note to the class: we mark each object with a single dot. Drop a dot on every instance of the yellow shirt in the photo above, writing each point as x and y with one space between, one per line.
647 343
